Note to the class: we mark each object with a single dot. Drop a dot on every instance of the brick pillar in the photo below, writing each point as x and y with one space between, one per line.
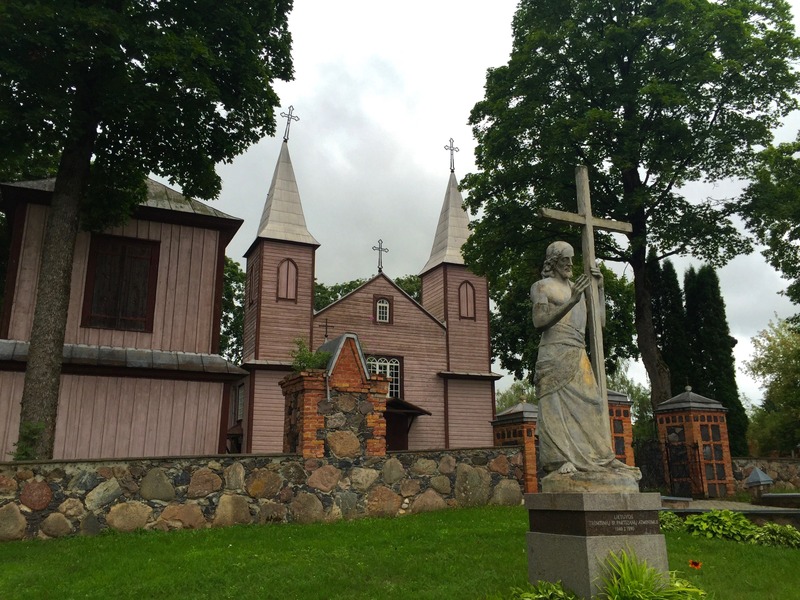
519 429
303 393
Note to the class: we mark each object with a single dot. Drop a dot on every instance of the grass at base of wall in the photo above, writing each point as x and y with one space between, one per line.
465 554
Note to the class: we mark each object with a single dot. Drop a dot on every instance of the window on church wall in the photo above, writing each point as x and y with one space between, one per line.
391 367
382 310
287 280
120 289
466 301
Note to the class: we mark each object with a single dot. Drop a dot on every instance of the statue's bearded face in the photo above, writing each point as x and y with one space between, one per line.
564 267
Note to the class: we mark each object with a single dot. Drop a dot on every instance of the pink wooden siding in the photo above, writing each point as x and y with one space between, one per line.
10 396
469 338
251 304
183 319
470 413
268 411
283 321
433 292
413 336
108 417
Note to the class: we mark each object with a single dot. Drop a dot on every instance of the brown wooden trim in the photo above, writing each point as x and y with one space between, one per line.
266 239
219 283
488 326
446 414
91 267
222 445
312 275
251 367
251 400
228 226
446 313
390 300
16 218
469 376
260 266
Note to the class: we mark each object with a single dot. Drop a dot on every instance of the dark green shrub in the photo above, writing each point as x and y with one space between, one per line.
305 359
722 524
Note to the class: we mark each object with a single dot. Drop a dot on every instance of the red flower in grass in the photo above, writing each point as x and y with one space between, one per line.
695 564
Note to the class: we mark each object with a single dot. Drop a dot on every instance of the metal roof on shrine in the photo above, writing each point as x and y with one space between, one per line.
688 400
519 413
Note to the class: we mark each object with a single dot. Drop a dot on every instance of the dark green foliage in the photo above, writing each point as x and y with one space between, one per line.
722 524
770 207
411 285
775 425
305 359
649 95
669 321
543 590
713 368
519 391
232 322
25 446
669 521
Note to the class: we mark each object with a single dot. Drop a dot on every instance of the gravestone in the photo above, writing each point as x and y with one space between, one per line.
590 505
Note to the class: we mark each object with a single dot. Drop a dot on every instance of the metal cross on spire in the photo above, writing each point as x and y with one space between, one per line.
380 250
289 118
589 223
452 157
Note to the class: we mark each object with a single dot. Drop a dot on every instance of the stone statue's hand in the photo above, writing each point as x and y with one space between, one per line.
580 285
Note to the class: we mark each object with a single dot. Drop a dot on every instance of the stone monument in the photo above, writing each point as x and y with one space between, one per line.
590 503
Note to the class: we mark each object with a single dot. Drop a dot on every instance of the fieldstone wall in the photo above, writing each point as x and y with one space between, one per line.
785 472
56 499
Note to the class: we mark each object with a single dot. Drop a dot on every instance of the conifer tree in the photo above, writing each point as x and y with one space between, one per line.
674 337
713 371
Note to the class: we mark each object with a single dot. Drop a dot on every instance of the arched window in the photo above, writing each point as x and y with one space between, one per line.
389 367
383 310
287 280
466 301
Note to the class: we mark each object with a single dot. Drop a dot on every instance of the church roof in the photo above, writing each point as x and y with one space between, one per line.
283 217
452 231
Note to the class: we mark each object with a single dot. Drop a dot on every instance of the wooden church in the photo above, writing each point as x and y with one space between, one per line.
436 352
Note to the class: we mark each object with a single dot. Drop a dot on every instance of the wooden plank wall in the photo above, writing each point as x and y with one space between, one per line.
282 321
251 309
470 413
184 295
413 336
433 292
268 411
115 417
10 396
469 338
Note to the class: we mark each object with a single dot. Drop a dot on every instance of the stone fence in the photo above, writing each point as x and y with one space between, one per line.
785 472
56 499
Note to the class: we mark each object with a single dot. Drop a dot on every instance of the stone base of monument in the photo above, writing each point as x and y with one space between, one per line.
572 534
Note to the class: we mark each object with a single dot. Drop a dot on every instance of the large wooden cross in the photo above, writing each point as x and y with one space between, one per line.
588 223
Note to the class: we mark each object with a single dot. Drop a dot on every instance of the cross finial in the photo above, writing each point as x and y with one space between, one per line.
380 250
327 327
452 157
289 118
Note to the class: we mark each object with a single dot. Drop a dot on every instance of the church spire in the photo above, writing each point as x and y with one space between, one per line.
452 231
283 217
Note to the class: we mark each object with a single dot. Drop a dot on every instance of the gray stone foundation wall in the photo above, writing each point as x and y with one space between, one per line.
785 472
56 499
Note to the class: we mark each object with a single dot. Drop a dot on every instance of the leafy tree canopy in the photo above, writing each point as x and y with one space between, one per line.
649 95
775 425
232 322
771 208
519 391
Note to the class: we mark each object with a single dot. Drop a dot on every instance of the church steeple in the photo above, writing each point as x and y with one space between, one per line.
283 217
452 231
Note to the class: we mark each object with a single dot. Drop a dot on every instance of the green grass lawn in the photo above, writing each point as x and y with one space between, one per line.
458 554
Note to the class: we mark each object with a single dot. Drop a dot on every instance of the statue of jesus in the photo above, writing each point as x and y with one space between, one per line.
573 428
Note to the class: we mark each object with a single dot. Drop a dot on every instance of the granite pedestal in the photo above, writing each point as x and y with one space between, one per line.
572 534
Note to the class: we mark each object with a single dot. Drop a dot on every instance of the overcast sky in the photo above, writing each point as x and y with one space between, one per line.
379 89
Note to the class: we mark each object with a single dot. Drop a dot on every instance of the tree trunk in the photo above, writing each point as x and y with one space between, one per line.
657 369
43 373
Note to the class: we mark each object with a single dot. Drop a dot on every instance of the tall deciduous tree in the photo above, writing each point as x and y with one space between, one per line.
231 337
775 362
713 367
119 89
650 94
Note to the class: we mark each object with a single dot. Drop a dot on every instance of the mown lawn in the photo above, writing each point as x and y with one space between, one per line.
468 553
